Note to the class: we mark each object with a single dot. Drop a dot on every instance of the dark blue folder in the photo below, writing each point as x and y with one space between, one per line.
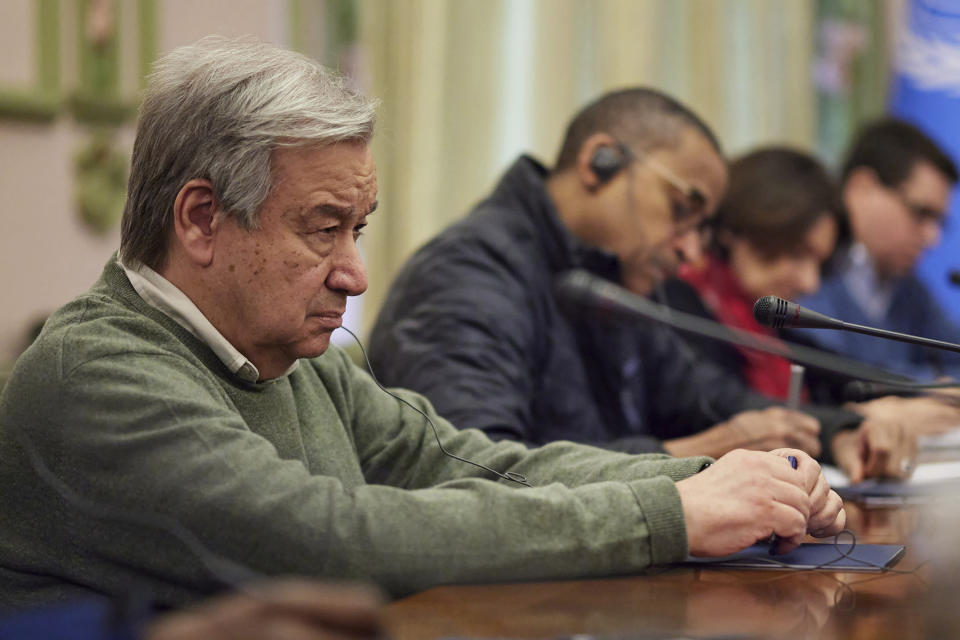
826 556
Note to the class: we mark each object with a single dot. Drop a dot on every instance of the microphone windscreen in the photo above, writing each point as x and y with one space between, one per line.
763 310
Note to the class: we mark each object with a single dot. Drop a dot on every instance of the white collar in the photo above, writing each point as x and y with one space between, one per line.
163 295
873 294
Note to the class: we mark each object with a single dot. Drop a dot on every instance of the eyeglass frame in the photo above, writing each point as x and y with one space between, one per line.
696 201
921 213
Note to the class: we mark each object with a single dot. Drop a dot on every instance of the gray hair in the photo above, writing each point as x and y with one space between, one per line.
217 109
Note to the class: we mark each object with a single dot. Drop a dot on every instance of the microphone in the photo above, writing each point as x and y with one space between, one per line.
779 313
579 289
953 277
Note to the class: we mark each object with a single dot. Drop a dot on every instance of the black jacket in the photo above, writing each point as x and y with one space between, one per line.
472 323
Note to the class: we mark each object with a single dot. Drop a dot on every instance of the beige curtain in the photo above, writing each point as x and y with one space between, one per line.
433 64
468 84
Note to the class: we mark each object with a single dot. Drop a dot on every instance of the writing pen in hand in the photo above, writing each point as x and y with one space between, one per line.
775 539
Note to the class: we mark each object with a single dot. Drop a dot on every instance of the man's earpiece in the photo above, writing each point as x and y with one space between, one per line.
606 163
608 160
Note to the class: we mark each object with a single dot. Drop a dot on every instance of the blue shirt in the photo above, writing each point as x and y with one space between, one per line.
854 293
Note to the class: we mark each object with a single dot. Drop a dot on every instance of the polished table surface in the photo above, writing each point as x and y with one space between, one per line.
688 602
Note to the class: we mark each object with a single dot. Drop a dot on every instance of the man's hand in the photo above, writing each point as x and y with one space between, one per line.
877 449
928 415
746 496
288 609
764 430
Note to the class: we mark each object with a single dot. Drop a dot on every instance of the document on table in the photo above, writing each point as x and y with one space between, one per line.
947 440
926 473
930 481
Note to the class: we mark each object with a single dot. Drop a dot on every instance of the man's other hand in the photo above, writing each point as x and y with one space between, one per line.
876 449
746 496
764 430
927 415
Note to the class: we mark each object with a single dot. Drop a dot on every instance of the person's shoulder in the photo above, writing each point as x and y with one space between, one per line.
830 297
475 262
492 234
917 290
926 311
501 236
93 326
87 342
830 284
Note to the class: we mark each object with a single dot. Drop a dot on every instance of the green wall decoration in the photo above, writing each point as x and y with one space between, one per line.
99 100
43 100
147 18
100 171
99 97
851 72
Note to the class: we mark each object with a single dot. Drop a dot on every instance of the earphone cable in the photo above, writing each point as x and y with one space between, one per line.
512 476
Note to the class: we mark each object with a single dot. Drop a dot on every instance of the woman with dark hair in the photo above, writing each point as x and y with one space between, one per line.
774 230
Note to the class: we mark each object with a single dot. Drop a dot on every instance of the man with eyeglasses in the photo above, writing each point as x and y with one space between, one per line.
472 321
896 185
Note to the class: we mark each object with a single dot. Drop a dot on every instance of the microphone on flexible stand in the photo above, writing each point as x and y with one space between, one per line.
580 290
779 313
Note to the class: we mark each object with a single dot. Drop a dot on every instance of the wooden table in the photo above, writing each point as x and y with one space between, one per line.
701 602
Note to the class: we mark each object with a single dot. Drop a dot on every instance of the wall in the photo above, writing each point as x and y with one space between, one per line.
47 256
465 86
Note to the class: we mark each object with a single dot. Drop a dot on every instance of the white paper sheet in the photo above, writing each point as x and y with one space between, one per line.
947 440
926 473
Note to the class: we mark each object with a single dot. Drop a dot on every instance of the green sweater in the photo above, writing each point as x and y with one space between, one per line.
318 473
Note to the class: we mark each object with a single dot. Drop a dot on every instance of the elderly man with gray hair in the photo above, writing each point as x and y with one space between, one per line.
186 423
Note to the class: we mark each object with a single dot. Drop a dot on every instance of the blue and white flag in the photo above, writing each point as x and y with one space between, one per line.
926 91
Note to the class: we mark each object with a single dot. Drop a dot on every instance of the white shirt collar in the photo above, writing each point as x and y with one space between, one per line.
868 290
163 295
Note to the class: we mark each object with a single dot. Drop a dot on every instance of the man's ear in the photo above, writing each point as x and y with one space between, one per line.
860 180
196 220
586 171
859 189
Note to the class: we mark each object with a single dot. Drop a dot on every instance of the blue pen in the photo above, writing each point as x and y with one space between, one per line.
775 539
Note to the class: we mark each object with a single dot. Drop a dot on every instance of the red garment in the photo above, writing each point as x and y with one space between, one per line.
722 295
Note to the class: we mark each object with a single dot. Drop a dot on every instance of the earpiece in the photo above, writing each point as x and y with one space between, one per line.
606 163
608 160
